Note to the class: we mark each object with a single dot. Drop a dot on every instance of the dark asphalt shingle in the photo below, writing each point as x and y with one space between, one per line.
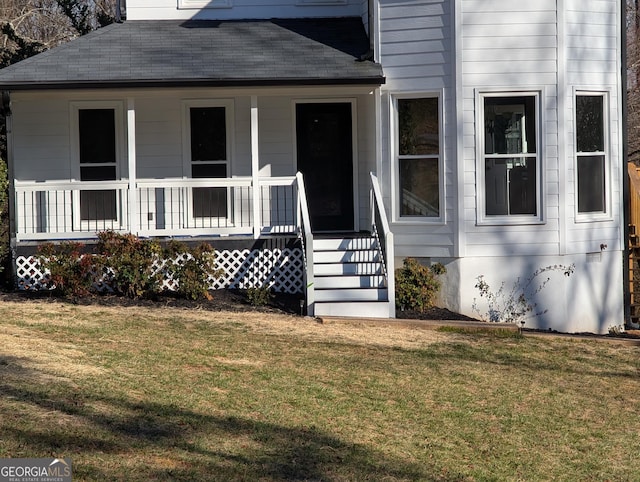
265 52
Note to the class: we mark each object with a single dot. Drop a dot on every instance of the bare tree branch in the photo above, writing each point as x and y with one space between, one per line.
47 23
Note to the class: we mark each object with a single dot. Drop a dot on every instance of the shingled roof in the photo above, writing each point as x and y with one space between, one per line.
199 52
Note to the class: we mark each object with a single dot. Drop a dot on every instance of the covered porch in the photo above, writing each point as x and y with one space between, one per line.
292 166
196 129
191 163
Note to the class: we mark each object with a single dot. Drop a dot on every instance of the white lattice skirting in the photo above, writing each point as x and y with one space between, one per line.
281 270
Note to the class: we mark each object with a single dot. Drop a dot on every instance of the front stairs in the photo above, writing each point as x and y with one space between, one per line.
349 278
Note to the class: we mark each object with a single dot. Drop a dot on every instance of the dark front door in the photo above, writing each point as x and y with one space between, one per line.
325 158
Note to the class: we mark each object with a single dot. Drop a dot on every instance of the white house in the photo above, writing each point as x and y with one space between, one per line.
482 134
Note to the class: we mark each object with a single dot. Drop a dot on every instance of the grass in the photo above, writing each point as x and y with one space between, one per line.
169 394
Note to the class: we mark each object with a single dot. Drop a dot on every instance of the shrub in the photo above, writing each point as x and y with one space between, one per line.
71 272
259 296
129 266
129 262
192 268
417 285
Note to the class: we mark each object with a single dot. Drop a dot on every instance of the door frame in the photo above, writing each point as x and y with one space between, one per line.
187 163
354 145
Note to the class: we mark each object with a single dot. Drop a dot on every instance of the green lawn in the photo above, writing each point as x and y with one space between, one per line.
168 394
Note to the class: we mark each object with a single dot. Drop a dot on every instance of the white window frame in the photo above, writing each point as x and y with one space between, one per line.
118 107
200 4
508 219
395 163
228 105
599 215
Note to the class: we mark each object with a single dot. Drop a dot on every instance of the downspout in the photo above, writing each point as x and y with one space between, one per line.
625 175
6 110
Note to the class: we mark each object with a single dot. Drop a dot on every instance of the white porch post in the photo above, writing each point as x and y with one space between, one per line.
255 167
131 158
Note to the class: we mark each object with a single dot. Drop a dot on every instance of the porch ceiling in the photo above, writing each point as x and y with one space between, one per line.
204 53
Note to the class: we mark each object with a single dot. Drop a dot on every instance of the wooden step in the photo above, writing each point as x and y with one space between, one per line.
368 256
352 294
348 269
372 309
344 244
342 282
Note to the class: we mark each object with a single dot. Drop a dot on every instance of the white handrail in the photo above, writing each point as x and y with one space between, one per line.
31 186
377 205
61 200
35 186
277 181
308 236
195 182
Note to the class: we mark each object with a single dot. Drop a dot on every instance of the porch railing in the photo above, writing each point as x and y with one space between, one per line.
69 210
163 207
384 237
306 237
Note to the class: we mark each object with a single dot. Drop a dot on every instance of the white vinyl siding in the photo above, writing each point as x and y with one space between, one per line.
240 9
415 50
593 65
591 31
510 47
159 137
200 4
276 136
42 136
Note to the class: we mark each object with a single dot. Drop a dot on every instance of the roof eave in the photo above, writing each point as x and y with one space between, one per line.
120 84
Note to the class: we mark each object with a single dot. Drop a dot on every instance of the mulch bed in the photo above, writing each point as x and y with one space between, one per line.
221 300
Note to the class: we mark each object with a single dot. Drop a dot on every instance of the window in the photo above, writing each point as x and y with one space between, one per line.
98 162
418 157
591 159
209 159
510 154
